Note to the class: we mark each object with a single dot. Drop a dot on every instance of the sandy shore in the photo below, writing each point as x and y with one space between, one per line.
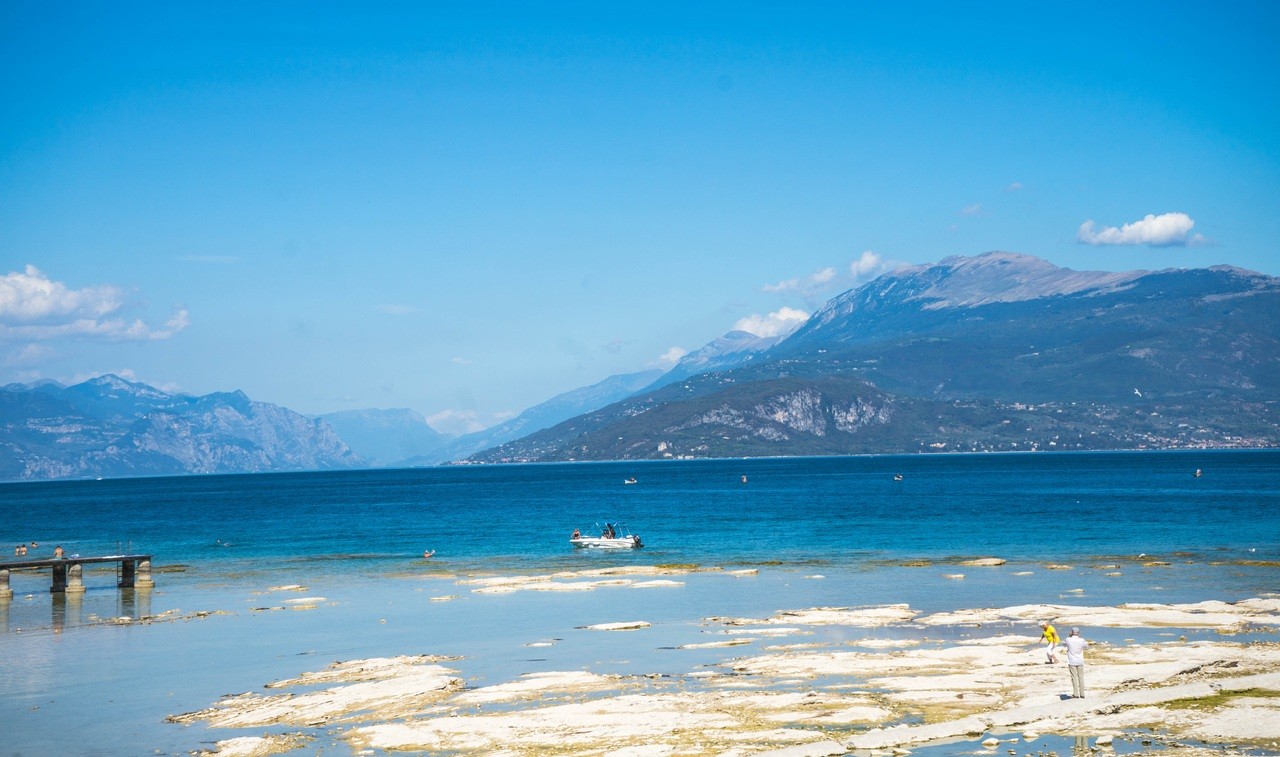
793 683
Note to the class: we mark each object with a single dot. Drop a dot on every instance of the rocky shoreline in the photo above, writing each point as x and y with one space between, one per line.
799 692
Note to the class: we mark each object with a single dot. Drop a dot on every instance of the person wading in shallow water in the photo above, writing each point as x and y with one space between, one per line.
1049 635
1075 645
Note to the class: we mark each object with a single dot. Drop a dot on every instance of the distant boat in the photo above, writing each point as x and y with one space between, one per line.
897 477
631 480
612 536
1199 473
744 479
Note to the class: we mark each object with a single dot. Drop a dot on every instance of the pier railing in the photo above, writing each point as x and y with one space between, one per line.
134 571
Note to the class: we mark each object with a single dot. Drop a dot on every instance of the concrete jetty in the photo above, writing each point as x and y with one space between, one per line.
134 571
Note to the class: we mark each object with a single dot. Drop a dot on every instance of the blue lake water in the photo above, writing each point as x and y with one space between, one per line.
838 510
70 684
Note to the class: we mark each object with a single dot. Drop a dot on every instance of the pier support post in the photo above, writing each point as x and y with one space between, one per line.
6 591
142 577
75 579
59 579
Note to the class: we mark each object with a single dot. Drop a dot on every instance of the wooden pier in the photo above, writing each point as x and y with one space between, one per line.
134 571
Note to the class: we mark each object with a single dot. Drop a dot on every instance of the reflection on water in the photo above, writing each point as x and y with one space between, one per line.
66 610
26 612
134 603
1081 747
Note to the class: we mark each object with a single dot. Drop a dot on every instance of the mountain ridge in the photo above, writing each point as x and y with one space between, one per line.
1020 348
109 427
996 352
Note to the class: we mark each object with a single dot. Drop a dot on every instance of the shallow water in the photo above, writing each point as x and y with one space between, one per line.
72 683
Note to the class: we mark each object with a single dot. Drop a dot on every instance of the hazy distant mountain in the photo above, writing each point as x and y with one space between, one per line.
108 426
996 352
729 351
549 413
386 437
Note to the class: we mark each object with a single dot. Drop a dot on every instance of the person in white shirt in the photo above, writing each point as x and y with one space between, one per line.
1075 645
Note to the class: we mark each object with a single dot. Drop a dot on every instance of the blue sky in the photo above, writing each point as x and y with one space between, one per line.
467 208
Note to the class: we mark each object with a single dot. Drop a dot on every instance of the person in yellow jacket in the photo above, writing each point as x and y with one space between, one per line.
1049 635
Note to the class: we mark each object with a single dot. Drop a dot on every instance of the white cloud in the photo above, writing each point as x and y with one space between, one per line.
111 329
972 210
461 361
808 283
867 265
1166 230
817 286
34 307
32 297
397 309
177 322
782 321
27 354
456 422
671 357
823 276
1014 187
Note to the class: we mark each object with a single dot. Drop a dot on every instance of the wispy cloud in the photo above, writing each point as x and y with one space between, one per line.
670 357
1014 187
456 422
35 307
397 309
819 283
971 210
804 284
782 321
1165 230
462 361
28 354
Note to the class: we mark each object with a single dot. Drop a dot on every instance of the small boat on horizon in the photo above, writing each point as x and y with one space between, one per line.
612 536
630 480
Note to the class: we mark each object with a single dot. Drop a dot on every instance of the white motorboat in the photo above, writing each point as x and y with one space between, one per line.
612 536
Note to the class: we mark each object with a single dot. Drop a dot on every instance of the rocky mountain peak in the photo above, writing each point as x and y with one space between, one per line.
961 282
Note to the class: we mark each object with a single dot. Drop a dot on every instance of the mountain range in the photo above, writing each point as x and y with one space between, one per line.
543 415
997 352
109 427
989 353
